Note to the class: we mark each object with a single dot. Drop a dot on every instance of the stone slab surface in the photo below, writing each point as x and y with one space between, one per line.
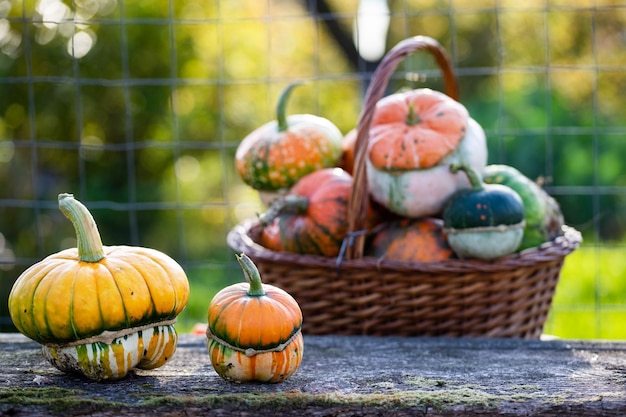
341 376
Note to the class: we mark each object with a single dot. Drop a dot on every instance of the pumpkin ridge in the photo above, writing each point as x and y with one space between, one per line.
119 292
170 278
31 311
229 304
155 313
46 315
52 278
71 315
287 312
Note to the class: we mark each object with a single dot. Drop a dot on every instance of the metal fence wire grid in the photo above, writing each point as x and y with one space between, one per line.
137 109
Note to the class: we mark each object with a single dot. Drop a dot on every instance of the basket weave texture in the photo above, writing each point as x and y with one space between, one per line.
355 295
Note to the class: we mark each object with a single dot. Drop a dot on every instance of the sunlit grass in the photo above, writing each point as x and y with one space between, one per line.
590 301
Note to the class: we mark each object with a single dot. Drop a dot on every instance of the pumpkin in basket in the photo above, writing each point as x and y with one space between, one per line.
414 137
100 311
410 240
313 217
254 330
544 219
347 151
274 156
486 221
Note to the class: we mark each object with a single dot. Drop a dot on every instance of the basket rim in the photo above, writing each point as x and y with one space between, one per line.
239 239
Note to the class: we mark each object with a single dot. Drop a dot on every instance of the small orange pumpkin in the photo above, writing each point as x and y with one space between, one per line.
410 240
254 330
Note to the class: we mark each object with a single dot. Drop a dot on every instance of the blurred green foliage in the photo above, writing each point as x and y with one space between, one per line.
140 115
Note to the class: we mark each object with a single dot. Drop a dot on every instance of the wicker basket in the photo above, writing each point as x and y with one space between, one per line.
356 295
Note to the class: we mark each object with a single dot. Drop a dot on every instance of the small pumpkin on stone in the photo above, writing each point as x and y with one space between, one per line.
486 221
100 311
254 330
277 154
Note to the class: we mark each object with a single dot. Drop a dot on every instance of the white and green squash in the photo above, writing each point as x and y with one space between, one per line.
485 221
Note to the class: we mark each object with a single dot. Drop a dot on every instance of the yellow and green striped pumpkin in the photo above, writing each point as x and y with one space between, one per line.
97 310
254 330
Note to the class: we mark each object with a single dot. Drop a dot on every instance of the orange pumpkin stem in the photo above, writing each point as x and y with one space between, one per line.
475 180
88 240
412 118
251 272
281 107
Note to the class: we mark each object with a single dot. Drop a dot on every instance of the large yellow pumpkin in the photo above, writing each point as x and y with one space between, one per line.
100 311
254 330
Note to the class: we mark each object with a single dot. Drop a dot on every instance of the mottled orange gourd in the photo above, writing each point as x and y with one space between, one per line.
410 240
313 217
276 155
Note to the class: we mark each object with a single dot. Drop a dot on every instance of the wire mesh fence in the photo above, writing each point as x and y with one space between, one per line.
137 110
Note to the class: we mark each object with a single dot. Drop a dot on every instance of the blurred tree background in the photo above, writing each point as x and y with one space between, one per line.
137 109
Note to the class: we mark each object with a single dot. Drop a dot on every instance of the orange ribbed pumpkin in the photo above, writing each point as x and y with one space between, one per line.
254 330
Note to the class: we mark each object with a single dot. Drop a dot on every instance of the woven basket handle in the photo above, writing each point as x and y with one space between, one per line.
359 200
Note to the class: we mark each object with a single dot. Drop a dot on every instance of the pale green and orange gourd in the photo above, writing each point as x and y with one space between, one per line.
414 138
100 311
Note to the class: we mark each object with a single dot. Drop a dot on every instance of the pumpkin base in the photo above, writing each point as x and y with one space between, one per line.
245 366
144 349
486 242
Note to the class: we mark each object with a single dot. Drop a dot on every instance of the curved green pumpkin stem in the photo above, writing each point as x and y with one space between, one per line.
87 236
475 180
291 203
281 107
252 275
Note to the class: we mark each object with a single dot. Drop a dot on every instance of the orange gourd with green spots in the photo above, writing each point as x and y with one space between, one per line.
254 330
312 218
100 310
410 240
276 155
